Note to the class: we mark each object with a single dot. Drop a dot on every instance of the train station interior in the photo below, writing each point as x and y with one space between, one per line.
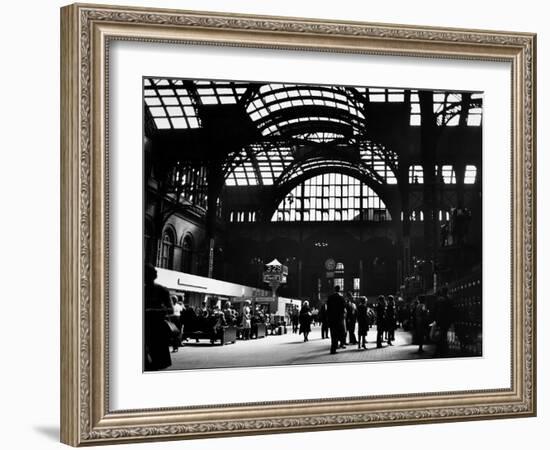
375 190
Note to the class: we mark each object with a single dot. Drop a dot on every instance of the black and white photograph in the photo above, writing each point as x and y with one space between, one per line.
289 224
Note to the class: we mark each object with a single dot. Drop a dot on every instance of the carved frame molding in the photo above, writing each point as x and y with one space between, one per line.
86 31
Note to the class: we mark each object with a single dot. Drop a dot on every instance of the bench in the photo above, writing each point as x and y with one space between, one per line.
225 334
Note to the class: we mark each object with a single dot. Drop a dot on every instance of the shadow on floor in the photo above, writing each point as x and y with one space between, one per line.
51 432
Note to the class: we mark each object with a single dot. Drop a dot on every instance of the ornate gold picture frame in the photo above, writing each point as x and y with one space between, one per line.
87 31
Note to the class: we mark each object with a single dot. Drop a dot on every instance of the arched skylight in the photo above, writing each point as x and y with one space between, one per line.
331 197
327 164
265 164
260 164
273 98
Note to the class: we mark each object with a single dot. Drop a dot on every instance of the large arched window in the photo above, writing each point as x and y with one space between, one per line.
167 249
331 197
187 254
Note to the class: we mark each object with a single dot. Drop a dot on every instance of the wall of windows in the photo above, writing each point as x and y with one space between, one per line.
191 183
242 216
331 197
417 215
416 175
445 174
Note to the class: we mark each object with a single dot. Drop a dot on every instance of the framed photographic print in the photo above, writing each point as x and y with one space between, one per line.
276 224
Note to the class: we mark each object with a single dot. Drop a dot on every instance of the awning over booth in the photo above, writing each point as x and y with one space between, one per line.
171 279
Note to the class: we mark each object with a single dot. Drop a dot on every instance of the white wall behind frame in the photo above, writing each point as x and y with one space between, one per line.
29 386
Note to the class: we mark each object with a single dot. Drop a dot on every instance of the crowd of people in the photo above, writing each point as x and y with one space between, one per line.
341 317
209 319
346 320
170 321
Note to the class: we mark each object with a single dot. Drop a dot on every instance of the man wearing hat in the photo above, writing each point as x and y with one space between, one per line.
336 315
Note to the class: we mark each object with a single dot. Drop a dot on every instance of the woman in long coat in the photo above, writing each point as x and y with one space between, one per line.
380 320
391 319
305 320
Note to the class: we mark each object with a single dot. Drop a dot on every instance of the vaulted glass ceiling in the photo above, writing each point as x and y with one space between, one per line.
171 100
302 127
270 164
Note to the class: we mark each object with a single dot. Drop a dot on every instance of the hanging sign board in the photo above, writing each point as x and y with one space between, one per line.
269 277
275 271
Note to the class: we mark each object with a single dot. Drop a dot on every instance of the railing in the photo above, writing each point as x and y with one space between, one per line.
465 335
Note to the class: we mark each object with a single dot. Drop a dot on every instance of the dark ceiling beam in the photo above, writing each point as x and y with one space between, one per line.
251 91
255 165
466 98
313 126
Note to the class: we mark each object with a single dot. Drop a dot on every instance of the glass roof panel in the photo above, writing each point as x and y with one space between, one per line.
152 101
162 123
276 97
169 100
166 104
319 114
